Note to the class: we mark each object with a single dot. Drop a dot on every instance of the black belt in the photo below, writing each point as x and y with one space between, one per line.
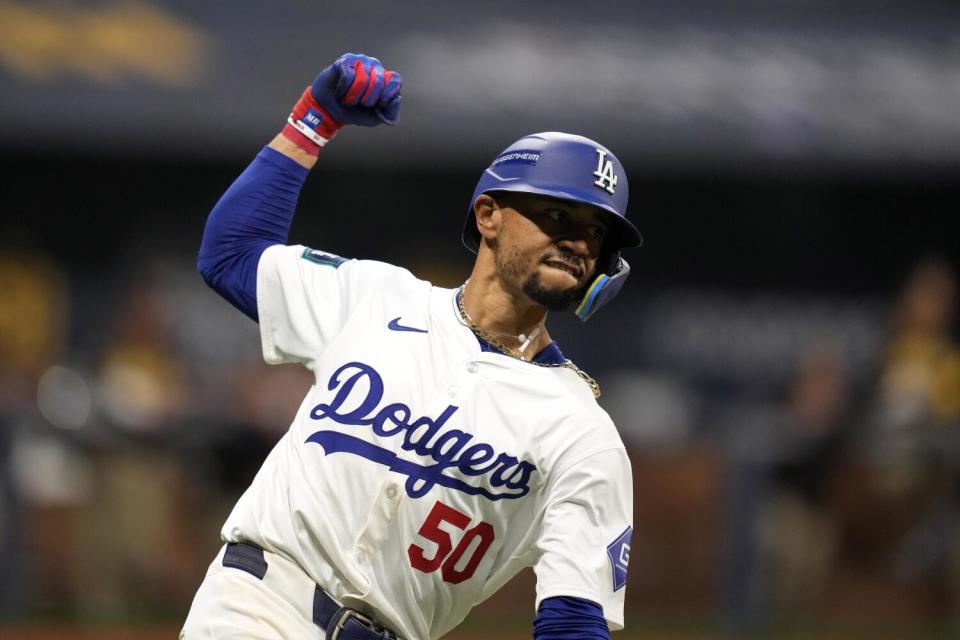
339 623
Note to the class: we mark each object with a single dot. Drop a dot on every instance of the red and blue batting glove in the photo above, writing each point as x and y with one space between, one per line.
356 89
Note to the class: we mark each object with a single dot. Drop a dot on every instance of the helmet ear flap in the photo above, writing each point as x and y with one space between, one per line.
602 288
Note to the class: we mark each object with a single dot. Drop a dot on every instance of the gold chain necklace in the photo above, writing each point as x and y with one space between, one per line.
491 339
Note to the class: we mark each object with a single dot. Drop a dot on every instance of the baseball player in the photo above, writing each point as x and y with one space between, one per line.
447 442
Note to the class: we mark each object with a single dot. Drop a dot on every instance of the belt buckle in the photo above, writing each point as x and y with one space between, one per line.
343 616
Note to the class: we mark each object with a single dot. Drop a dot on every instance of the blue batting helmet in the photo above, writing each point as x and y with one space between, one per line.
569 167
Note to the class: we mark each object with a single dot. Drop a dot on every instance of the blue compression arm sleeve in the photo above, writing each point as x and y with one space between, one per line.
566 618
254 213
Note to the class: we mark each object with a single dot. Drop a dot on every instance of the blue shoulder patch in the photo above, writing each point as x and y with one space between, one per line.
619 553
322 257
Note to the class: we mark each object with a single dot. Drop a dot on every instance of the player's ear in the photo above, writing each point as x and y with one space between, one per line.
488 216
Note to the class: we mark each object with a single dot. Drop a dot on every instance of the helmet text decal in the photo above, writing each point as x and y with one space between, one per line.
524 156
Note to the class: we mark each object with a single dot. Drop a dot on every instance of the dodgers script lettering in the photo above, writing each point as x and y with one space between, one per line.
357 402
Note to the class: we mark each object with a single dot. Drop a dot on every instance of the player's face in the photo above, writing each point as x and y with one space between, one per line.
548 248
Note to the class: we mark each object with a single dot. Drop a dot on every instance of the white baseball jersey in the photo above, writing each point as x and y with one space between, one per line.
421 473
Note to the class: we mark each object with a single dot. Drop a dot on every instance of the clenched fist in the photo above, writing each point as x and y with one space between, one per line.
355 89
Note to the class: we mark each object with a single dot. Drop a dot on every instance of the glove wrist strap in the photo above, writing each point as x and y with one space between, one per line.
309 125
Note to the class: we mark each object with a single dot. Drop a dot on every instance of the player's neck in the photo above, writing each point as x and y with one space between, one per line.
496 310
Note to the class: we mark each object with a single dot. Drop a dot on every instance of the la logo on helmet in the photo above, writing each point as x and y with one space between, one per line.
606 179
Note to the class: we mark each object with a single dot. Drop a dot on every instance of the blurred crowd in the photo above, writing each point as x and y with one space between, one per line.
134 411
126 434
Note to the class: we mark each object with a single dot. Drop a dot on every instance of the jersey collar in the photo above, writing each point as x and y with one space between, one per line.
550 354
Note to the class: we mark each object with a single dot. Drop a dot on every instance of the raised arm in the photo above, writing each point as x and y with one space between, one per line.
257 210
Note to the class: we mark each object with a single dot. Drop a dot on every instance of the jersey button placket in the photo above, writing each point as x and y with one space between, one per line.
454 389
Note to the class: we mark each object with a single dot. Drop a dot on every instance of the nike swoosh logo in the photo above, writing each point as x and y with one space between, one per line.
394 325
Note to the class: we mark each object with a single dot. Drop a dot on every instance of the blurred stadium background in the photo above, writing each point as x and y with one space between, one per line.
784 366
